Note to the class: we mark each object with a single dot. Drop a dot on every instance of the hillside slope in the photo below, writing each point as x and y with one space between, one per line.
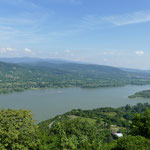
18 77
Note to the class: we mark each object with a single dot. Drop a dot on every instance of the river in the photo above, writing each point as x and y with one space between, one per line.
47 103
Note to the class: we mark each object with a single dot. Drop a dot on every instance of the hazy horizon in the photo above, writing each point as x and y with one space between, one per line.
68 61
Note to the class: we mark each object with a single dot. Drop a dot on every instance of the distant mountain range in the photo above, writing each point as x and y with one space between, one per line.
18 74
37 61
61 66
135 70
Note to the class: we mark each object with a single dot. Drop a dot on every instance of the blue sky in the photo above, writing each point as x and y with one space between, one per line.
108 32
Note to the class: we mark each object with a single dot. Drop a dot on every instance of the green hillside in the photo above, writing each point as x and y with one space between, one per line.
92 129
18 77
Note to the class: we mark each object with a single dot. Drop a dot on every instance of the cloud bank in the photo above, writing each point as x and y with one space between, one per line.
140 53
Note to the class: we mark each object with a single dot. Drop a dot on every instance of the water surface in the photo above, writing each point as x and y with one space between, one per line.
48 103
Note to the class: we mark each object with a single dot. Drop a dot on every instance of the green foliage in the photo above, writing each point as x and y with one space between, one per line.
17 130
132 143
71 129
141 124
142 94
115 116
74 134
78 129
15 77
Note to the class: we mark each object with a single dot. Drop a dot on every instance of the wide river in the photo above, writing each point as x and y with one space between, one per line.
48 103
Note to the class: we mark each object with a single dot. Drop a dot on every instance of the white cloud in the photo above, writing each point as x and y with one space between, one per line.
140 53
27 50
10 49
5 50
67 51
131 18
99 22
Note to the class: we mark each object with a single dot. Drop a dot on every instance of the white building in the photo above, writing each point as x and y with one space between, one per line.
118 134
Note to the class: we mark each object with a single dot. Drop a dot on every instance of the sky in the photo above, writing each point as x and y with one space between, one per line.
105 32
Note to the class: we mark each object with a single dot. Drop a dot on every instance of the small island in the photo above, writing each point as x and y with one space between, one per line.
142 94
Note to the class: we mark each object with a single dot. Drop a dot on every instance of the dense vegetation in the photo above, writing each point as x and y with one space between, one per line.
78 129
91 129
19 77
17 130
142 94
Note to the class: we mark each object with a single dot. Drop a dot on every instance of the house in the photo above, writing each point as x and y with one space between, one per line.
117 134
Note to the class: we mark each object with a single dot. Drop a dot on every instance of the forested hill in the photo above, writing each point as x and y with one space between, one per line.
20 71
94 129
83 69
124 128
18 77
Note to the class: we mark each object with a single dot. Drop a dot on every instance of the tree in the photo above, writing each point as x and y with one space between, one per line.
132 143
141 124
73 134
17 130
